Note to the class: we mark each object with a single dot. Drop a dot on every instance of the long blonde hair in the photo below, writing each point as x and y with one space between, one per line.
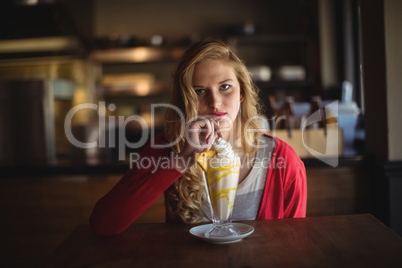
185 197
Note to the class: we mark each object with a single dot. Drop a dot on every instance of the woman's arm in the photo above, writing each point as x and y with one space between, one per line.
295 197
285 194
151 174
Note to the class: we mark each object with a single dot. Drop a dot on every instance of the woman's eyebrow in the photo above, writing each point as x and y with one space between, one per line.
226 80
221 82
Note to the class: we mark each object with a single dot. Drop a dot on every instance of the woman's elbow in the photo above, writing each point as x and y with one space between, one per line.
103 228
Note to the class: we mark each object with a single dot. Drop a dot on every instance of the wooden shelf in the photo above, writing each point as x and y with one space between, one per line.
266 39
135 90
137 54
278 50
128 95
284 84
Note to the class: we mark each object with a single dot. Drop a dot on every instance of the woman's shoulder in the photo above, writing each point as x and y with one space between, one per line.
282 149
286 161
160 138
157 144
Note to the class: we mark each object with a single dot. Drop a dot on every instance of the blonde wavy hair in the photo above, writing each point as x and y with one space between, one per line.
184 199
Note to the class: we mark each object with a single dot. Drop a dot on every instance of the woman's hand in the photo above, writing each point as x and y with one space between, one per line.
200 134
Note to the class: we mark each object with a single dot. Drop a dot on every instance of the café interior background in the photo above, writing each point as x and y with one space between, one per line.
123 54
120 55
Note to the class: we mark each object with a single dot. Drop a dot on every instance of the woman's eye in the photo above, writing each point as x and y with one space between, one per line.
199 91
225 86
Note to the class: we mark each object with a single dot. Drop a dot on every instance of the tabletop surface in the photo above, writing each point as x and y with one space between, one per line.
331 241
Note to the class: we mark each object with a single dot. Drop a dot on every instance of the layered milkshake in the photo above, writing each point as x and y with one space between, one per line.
221 169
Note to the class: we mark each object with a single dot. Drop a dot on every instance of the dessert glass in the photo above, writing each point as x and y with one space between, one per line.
221 186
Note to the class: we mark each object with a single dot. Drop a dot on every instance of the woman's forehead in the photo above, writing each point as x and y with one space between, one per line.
218 70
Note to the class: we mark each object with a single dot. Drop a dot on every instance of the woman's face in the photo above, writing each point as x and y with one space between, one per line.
218 91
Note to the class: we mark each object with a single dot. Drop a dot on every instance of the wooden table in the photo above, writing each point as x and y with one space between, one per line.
335 241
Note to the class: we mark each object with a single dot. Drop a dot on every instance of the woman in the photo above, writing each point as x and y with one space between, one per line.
211 85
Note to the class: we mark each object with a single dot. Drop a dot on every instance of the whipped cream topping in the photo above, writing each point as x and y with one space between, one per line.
223 150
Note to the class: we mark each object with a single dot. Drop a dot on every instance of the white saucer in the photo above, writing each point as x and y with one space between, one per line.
244 230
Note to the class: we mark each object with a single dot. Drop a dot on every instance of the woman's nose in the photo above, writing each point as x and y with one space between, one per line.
214 101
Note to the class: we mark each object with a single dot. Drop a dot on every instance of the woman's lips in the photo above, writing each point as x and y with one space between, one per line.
220 114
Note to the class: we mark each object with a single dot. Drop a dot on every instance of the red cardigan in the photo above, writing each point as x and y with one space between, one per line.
285 194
